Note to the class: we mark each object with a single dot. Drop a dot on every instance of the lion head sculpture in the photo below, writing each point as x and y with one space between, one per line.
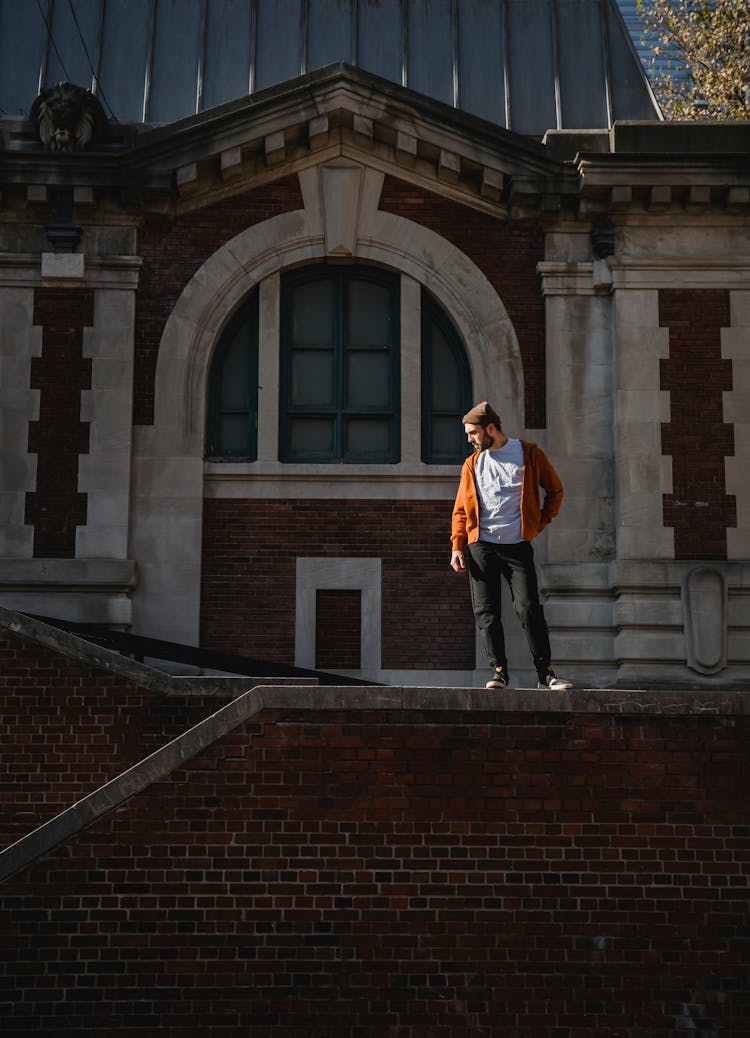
67 117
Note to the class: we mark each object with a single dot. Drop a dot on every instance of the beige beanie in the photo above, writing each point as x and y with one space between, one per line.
482 414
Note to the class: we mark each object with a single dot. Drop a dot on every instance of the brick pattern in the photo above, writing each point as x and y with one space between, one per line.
338 630
422 874
56 508
248 575
507 255
172 251
66 728
697 438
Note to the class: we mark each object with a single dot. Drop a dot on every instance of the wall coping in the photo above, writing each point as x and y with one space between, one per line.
264 698
76 648
308 697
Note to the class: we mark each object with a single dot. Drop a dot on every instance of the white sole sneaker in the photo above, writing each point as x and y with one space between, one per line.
556 685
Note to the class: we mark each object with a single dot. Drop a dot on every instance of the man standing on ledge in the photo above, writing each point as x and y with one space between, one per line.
496 516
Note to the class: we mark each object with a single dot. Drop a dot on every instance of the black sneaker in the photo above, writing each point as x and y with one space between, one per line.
550 680
498 678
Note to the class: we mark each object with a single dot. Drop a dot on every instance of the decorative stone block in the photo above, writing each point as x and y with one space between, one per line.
187 175
231 162
493 182
660 197
83 196
318 131
406 148
449 166
275 147
364 127
63 269
704 604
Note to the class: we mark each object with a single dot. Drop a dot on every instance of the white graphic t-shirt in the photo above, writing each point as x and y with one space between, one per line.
498 477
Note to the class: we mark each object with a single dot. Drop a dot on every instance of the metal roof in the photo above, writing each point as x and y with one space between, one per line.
527 65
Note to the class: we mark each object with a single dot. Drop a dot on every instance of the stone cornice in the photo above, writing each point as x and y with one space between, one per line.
25 270
654 168
338 110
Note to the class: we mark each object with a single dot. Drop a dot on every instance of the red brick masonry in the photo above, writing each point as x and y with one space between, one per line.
540 866
248 592
697 438
56 508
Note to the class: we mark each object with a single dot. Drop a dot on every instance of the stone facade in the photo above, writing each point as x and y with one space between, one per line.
599 282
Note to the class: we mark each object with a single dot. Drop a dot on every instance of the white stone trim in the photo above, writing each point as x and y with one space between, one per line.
640 408
687 271
735 346
269 375
104 473
20 341
169 471
81 590
354 574
411 480
411 373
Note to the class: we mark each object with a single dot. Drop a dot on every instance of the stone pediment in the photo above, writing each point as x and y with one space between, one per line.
337 111
343 111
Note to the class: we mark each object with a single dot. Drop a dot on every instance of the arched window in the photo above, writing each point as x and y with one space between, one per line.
232 426
446 387
340 366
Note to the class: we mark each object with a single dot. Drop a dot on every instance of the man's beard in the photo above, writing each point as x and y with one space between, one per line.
485 442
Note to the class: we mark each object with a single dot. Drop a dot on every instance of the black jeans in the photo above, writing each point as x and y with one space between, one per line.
488 564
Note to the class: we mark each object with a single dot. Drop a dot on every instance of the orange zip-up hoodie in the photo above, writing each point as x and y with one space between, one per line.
535 515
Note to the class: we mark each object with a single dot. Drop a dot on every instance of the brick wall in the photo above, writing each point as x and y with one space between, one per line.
56 508
248 589
417 873
696 437
507 256
338 630
172 251
66 727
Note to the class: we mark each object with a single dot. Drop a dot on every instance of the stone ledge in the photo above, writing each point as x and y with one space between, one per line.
67 573
693 137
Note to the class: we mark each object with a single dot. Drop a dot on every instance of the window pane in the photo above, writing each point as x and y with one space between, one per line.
235 377
446 384
446 387
311 435
312 377
234 432
233 387
367 384
368 436
370 314
448 437
313 313
339 364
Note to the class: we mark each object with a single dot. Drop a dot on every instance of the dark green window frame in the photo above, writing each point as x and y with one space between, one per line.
446 387
324 414
232 406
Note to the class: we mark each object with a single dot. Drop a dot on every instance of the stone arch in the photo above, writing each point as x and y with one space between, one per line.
226 278
340 218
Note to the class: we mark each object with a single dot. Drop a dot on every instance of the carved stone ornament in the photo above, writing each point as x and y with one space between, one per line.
67 117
